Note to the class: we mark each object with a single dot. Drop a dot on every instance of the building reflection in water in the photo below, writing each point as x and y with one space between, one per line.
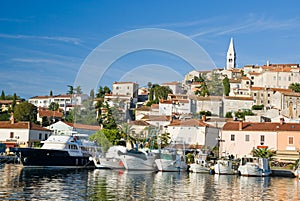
17 183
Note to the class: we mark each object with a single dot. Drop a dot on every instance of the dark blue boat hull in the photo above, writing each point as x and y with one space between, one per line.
52 158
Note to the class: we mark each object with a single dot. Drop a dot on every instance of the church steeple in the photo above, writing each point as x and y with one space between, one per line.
230 59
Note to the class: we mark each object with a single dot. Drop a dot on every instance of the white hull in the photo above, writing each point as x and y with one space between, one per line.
197 168
223 167
132 162
109 163
260 168
165 165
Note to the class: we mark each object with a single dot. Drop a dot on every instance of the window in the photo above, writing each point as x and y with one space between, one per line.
254 94
46 136
291 140
262 139
274 77
232 137
11 134
247 138
40 136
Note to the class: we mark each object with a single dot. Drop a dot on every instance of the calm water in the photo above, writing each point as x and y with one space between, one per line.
17 183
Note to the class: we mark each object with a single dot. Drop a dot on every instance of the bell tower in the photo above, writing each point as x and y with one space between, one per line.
230 59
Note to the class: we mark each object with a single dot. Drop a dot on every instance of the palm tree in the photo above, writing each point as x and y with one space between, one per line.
263 153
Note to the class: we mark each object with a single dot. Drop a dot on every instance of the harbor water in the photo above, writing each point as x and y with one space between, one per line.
18 183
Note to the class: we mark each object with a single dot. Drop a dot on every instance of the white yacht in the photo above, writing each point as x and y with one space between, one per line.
111 159
139 159
61 151
200 164
253 166
171 161
224 166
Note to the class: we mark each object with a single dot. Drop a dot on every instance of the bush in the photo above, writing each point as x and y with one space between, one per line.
228 115
257 107
206 113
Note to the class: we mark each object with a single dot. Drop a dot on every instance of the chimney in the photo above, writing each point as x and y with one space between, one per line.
203 117
240 125
12 119
281 121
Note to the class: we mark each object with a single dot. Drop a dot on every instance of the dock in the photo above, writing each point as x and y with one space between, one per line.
283 173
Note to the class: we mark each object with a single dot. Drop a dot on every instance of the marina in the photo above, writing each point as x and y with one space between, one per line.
18 183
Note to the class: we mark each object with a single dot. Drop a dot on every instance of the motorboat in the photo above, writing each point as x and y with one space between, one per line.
139 159
72 151
224 166
111 159
200 164
171 161
254 166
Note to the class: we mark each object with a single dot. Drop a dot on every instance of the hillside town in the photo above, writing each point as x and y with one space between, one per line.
231 110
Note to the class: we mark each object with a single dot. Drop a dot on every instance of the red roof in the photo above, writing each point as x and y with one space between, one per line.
188 122
84 126
261 126
21 125
50 113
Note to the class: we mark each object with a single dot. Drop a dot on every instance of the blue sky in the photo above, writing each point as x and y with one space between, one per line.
43 44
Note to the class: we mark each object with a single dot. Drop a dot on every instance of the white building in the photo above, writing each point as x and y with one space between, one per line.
240 138
66 102
176 87
231 56
126 88
23 134
194 133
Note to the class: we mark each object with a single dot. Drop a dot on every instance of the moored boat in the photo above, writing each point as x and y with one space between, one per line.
111 159
171 161
253 166
200 164
139 159
224 166
72 151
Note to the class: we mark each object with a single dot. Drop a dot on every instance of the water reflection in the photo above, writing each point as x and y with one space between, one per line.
17 183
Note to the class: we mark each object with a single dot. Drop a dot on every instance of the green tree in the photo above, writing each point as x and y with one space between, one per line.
2 95
71 89
226 86
164 139
78 90
214 84
25 112
202 89
295 87
106 137
92 94
86 113
242 113
263 153
45 121
158 92
228 115
4 116
51 93
206 113
14 102
53 106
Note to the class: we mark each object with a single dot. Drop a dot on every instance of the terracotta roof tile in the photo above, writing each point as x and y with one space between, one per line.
139 123
21 125
265 126
50 113
238 98
188 122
